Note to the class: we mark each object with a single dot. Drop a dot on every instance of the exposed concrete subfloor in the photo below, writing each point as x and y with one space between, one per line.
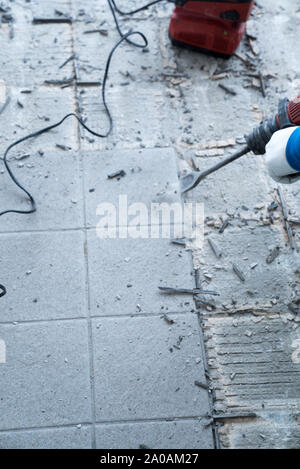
90 360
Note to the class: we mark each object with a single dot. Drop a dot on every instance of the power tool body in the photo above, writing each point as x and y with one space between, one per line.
214 26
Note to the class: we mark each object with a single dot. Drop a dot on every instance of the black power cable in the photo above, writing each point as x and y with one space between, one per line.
2 291
57 124
124 37
133 12
114 9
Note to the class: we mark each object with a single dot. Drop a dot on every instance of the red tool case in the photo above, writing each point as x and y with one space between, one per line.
213 26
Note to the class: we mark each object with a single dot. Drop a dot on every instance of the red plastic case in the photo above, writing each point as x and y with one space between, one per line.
214 26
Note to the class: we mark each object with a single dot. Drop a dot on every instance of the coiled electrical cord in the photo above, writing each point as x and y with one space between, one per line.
133 12
124 37
114 9
2 290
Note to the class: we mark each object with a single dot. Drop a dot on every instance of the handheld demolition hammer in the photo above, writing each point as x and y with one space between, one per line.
288 116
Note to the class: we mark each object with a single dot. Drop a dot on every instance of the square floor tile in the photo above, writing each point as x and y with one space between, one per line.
150 177
146 368
45 380
44 274
119 270
53 438
189 434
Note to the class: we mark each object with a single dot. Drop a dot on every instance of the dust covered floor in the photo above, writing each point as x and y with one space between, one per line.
88 358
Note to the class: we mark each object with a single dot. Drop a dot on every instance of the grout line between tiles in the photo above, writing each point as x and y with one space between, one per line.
87 288
106 423
84 318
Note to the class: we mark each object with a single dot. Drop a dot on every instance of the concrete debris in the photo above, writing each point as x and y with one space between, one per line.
220 76
168 319
294 221
217 144
254 47
62 19
286 219
246 60
63 147
228 89
250 415
117 174
217 251
178 343
225 224
69 59
201 385
179 242
208 152
238 272
273 206
186 291
103 32
273 255
262 85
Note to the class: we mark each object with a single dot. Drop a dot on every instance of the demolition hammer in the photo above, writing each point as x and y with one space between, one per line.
288 116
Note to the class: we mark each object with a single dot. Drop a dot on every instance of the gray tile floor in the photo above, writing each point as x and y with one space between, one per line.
60 275
90 361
